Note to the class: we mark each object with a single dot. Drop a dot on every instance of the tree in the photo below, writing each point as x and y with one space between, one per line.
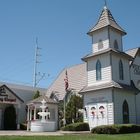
75 103
36 95
61 113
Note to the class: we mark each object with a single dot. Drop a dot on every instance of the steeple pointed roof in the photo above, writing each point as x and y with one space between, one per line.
106 19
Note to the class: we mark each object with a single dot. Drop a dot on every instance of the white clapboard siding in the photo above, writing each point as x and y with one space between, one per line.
105 70
105 46
119 97
100 35
135 77
104 96
115 69
110 113
118 37
138 107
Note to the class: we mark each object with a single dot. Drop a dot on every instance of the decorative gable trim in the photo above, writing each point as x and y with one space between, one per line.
7 88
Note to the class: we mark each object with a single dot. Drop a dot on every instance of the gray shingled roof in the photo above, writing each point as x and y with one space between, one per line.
12 92
132 52
109 85
23 91
106 51
106 19
77 79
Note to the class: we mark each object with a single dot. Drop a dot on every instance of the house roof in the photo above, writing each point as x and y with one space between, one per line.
24 92
23 87
110 85
77 79
106 20
106 51
39 99
12 92
133 52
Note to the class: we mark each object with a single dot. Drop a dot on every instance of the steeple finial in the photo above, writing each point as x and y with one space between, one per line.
105 4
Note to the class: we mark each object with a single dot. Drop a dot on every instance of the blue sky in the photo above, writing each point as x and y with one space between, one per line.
61 27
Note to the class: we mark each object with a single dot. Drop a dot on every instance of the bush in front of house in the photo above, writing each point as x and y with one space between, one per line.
116 129
105 129
23 126
76 127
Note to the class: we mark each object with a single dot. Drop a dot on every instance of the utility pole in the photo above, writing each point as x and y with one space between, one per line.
36 62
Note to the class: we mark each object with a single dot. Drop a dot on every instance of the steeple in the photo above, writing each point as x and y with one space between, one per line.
106 20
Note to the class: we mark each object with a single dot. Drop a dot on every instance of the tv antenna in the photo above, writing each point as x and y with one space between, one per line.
37 76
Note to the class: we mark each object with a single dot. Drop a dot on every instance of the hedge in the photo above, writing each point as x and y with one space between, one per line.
116 129
76 127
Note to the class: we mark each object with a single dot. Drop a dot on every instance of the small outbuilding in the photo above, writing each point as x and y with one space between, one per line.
42 105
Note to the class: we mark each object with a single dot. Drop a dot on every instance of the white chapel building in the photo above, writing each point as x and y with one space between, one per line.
112 92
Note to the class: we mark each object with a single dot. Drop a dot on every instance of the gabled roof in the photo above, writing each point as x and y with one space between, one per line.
12 92
39 99
77 79
133 51
106 19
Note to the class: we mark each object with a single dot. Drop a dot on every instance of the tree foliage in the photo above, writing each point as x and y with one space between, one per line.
75 103
36 95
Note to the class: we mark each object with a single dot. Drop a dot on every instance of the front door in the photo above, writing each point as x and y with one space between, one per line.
97 114
102 114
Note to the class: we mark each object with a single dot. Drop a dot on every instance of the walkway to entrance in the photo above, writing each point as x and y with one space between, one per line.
28 133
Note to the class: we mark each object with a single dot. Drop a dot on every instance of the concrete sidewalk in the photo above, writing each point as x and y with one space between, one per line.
29 133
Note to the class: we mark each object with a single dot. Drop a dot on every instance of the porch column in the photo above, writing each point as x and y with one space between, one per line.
35 113
28 119
18 113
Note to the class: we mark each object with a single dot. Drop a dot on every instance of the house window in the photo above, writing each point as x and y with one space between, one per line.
125 112
100 44
116 45
98 70
121 70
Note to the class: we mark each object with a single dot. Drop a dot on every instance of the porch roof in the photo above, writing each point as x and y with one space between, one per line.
111 84
39 99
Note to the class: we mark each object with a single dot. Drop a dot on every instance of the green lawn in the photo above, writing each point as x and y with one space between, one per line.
75 137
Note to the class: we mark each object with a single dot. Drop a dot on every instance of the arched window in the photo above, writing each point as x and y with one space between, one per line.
121 70
116 45
125 111
100 44
98 70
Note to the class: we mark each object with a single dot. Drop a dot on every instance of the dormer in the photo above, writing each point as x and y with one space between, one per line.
106 33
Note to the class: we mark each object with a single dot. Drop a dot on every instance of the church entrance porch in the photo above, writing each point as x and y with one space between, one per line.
10 104
97 113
